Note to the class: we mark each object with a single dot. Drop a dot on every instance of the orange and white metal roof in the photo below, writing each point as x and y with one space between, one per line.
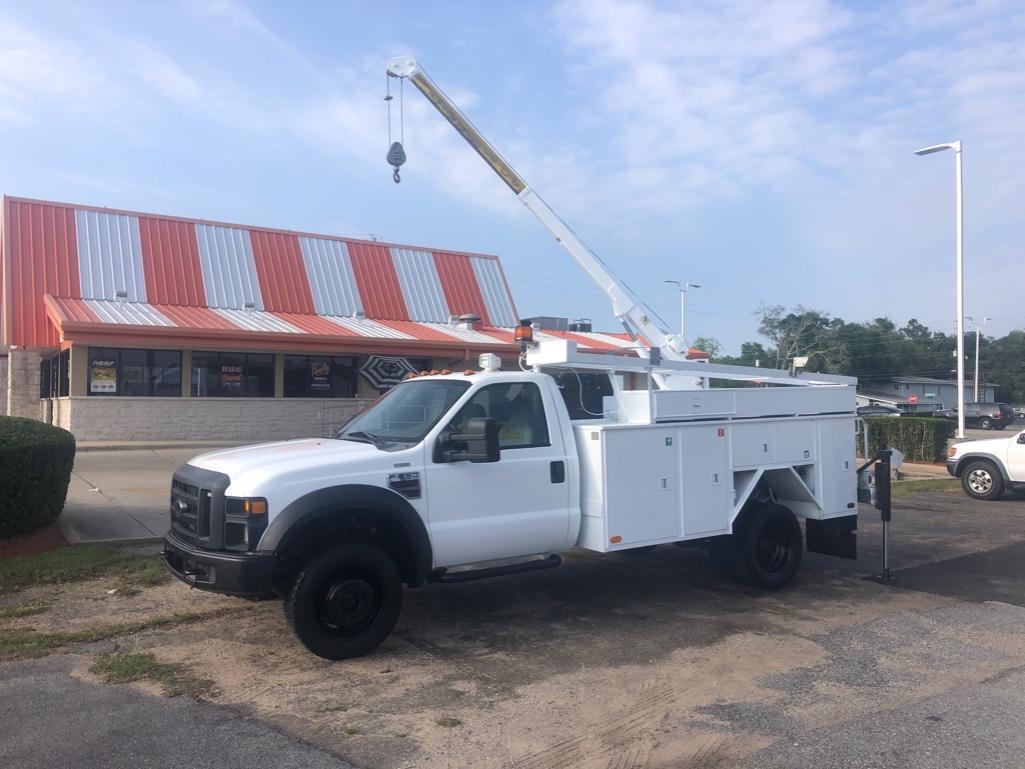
100 276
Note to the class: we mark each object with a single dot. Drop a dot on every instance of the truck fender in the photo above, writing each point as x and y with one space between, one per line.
334 499
961 461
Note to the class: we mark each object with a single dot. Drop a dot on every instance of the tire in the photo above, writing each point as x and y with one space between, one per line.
345 602
981 479
986 424
767 547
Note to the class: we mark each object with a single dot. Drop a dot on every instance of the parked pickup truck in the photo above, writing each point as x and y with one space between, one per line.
988 468
452 477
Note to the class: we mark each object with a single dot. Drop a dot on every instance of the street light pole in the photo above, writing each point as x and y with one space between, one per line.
978 329
683 287
956 146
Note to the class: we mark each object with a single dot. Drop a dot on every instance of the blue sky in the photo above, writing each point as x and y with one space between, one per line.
762 149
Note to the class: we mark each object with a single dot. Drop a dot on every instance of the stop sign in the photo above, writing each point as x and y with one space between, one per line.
912 399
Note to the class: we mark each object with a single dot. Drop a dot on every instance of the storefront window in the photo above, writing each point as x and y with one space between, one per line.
319 376
55 376
115 371
232 375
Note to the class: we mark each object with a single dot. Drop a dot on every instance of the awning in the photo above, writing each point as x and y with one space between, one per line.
123 323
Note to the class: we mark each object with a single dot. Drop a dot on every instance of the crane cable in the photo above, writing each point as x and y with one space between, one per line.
396 155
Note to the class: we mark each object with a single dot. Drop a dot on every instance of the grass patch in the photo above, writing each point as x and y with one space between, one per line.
907 488
19 644
175 679
13 612
73 564
448 722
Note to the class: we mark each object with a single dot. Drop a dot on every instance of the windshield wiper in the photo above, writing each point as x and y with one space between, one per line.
364 437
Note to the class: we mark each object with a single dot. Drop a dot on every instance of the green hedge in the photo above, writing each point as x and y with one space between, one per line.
920 439
35 470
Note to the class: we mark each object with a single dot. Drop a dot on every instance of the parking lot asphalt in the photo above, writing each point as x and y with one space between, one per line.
121 494
52 719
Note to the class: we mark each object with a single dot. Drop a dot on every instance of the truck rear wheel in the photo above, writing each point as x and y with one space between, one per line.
345 602
766 547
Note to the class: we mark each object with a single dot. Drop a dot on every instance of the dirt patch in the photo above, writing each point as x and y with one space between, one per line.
40 541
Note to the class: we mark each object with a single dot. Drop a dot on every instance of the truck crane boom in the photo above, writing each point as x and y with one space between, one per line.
638 319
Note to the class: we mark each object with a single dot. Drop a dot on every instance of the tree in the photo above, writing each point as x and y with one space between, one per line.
801 332
708 344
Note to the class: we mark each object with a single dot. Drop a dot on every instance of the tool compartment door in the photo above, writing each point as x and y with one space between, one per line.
642 485
707 480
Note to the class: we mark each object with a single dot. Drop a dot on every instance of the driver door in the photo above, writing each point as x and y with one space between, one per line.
1016 459
517 506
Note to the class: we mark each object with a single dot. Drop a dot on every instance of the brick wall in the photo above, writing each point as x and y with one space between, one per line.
229 419
22 391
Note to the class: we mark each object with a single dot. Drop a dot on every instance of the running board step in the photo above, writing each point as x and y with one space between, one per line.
539 564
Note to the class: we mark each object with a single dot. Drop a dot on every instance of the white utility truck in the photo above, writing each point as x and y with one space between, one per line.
450 477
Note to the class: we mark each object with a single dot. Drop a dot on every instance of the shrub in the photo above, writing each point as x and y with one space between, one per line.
920 439
35 470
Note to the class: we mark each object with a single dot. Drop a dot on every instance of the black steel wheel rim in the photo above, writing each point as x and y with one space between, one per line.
347 605
773 549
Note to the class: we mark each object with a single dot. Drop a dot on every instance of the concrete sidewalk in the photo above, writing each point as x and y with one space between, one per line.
119 492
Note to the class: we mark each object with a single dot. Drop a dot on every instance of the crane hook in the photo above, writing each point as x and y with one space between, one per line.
396 157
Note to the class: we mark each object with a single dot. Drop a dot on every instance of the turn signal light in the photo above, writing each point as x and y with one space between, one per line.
616 539
523 333
952 451
254 506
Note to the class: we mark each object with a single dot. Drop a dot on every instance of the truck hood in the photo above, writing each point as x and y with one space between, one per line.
995 446
264 461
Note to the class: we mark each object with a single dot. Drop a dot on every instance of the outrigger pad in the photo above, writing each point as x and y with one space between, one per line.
835 536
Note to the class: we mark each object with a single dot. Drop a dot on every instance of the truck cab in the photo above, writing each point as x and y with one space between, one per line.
443 470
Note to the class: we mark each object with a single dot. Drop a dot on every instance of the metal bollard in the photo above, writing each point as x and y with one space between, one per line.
882 484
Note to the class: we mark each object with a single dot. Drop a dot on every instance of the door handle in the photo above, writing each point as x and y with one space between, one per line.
558 471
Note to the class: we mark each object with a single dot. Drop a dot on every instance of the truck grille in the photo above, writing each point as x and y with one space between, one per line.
190 509
196 505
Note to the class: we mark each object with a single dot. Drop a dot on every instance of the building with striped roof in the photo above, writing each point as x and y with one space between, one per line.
123 325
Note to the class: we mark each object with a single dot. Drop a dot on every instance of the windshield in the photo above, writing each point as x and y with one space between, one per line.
405 414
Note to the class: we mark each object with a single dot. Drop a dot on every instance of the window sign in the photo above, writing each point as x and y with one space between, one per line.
320 376
133 372
103 376
385 371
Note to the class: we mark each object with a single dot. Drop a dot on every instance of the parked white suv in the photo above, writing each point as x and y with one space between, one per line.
988 468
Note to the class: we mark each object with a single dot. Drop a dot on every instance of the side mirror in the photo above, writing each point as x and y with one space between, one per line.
480 439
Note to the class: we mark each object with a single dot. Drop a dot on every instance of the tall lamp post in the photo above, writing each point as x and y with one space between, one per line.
978 329
684 288
956 146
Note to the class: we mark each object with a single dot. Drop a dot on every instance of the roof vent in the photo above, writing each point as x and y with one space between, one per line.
359 315
453 320
121 296
249 306
469 321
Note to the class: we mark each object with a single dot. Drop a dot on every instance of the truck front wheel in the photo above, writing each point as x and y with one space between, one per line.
766 547
345 602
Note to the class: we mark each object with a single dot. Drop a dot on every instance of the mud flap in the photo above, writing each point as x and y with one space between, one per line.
835 536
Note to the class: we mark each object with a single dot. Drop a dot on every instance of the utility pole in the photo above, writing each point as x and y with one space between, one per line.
684 288
978 329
